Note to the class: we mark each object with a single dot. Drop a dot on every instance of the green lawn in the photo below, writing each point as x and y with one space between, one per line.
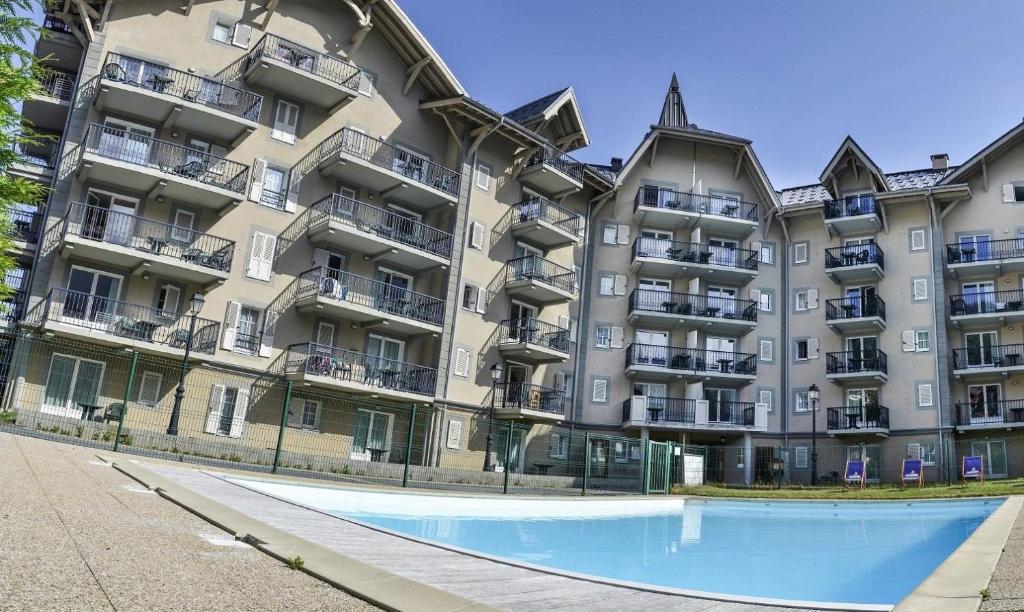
879 492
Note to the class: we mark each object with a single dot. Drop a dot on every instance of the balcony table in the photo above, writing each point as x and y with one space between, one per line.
376 454
156 244
711 311
723 365
968 254
681 361
1013 358
654 413
849 310
674 252
669 306
1014 305
542 468
89 411
849 259
1016 415
705 257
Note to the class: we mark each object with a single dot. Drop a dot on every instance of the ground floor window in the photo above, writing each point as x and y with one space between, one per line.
993 456
72 385
227 410
372 439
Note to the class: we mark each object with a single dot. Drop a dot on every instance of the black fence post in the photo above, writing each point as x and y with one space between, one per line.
408 446
285 409
508 454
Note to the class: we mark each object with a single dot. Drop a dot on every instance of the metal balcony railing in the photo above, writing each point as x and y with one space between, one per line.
695 252
986 302
349 366
167 157
381 222
534 267
854 255
43 154
691 359
548 155
388 299
383 155
990 412
148 236
307 60
855 362
543 209
183 86
659 197
992 356
985 250
851 418
526 396
26 224
60 85
654 300
852 206
55 25
682 410
13 305
103 315
840 309
532 331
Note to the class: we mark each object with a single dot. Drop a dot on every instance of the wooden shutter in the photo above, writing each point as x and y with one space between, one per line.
577 278
270 318
259 168
321 257
241 35
616 337
213 415
149 388
914 450
560 381
563 322
469 297
261 257
286 122
812 299
622 234
454 438
909 341
325 334
620 284
481 300
241 409
231 325
291 200
600 391
756 248
573 330
1008 194
755 296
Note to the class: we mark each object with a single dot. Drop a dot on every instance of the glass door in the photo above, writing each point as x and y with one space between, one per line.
979 297
384 361
649 401
984 400
71 384
720 405
393 292
862 353
655 243
860 301
372 438
402 222
517 377
109 217
723 252
980 349
653 294
653 349
871 454
91 296
976 247
993 456
857 403
722 302
528 260
126 141
522 320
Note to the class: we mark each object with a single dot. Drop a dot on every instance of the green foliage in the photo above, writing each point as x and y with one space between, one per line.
9 416
295 563
985 594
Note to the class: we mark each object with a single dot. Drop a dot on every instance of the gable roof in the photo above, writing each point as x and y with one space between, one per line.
906 180
673 111
850 146
559 110
994 148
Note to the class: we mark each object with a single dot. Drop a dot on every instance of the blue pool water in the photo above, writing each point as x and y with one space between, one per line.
868 553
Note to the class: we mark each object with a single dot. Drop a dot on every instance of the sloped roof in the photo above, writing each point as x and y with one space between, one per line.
673 111
897 181
534 108
559 111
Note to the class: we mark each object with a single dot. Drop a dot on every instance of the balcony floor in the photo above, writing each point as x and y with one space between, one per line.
277 75
370 317
543 233
90 334
734 326
678 269
991 372
991 426
986 269
377 246
330 382
549 180
855 274
849 226
519 412
535 291
389 183
856 324
987 320
534 353
46 113
139 260
877 432
667 218
857 377
716 428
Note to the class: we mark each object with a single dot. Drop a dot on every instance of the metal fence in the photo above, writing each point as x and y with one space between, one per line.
307 60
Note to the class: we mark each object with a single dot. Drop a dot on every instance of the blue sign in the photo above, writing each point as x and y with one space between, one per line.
911 469
854 471
972 467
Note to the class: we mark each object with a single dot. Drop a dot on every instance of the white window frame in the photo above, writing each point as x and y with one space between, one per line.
767 254
801 402
455 368
764 301
562 451
278 133
763 342
387 443
798 256
317 407
914 234
598 335
601 284
922 341
914 284
931 394
800 456
770 403
226 28
806 343
484 173
149 374
165 291
798 305
263 269
614 237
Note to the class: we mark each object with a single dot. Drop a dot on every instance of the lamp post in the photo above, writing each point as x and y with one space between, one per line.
195 305
496 372
813 395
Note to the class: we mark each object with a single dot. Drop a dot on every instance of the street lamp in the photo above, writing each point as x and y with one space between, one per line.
195 305
496 372
813 395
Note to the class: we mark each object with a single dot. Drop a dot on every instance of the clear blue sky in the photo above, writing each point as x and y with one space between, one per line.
905 78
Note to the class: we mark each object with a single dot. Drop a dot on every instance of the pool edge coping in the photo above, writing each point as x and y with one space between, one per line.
957 583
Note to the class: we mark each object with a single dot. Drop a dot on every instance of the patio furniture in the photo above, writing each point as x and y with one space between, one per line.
114 413
191 169
192 255
156 244
218 260
654 413
89 410
723 365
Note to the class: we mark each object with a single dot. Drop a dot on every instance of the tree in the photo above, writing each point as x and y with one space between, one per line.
19 79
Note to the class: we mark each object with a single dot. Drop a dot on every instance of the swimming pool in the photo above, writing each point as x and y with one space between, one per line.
850 552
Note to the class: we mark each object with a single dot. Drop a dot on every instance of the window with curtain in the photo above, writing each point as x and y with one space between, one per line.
372 436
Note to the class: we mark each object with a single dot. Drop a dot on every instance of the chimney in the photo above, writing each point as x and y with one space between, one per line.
616 164
940 161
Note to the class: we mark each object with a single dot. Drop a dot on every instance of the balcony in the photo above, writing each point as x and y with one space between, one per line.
58 45
988 309
533 341
102 235
673 258
857 366
369 302
335 368
48 109
989 414
340 222
544 223
855 314
107 321
712 313
552 172
992 361
174 98
856 214
25 227
870 420
660 207
694 415
358 159
538 280
855 263
527 401
986 258
285 66
690 364
12 307
160 168
37 160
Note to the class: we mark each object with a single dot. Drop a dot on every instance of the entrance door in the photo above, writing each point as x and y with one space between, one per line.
723 252
862 301
979 297
862 353
720 353
650 402
126 141
393 292
528 260
384 361
108 217
985 406
403 223
71 383
720 405
980 349
517 378
723 301
599 457
857 402
513 461
652 347
522 320
993 456
91 296
976 247
763 456
655 243
653 293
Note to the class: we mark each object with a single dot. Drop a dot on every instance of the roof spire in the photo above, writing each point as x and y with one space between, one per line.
673 112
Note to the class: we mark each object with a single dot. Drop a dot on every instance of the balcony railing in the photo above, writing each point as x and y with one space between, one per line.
383 155
167 157
695 252
697 360
183 86
542 209
342 286
526 396
854 255
534 267
25 225
559 160
55 25
852 206
43 155
993 356
60 85
384 223
532 331
681 410
305 59
987 302
659 197
148 236
349 366
670 302
13 306
857 362
129 321
990 412
985 250
852 418
854 308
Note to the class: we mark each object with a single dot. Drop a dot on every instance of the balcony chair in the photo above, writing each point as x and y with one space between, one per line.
191 169
114 413
193 255
862 258
218 260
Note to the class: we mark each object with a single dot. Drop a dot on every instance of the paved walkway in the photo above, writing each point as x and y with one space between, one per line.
1006 592
76 534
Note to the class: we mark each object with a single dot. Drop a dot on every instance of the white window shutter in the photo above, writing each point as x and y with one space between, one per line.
259 168
1008 196
321 257
555 445
476 235
600 391
269 329
914 450
924 394
241 35
481 300
620 284
213 416
231 325
812 348
462 362
617 337
469 297
291 201
560 381
563 321
917 240
622 234
261 257
920 289
812 299
454 438
909 341
755 246
755 296
577 278
766 350
573 330
241 409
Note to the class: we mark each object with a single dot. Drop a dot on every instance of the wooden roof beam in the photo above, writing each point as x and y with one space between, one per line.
363 18
412 72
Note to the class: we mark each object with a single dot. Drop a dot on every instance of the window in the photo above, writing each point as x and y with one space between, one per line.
924 395
168 300
922 340
247 337
634 451
1018 193
71 383
261 255
764 300
607 284
1013 193
767 253
310 414
766 397
184 223
558 448
801 457
474 298
371 440
273 192
917 240
610 233
286 122
462 358
925 451
800 300
227 410
800 251
801 349
476 235
801 403
599 393
603 336
149 389
222 32
621 452
453 440
483 176
766 350
920 289
740 457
